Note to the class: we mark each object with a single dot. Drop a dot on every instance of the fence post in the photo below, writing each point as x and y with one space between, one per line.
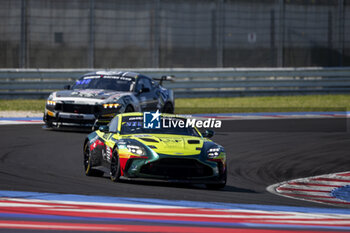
330 36
23 39
281 28
155 34
91 55
220 33
272 36
341 30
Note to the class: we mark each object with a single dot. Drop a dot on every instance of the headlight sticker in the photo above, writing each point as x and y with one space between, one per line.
136 150
214 152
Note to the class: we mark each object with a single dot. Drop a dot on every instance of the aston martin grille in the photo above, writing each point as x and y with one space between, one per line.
177 168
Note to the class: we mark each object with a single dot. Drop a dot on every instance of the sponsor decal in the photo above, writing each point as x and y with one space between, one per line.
107 154
91 77
95 144
152 120
87 93
191 122
118 78
82 82
133 124
142 136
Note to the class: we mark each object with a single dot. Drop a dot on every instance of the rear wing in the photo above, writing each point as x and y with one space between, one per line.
165 78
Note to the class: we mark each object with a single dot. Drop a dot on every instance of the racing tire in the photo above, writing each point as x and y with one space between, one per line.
218 186
168 108
115 166
48 122
129 108
89 171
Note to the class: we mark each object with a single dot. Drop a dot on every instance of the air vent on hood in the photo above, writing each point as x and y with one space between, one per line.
148 140
193 141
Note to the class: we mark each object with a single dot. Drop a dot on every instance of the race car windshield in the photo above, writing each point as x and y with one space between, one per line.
114 83
135 125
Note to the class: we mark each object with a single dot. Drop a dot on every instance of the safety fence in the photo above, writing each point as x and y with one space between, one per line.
191 82
168 33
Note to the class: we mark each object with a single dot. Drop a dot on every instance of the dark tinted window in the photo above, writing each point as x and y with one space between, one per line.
134 125
113 125
143 83
107 82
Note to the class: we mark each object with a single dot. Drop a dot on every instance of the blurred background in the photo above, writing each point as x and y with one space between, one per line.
174 33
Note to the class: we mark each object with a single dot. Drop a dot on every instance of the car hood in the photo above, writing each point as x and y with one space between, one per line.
172 144
88 95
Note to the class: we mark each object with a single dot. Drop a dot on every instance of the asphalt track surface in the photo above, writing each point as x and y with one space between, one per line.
260 153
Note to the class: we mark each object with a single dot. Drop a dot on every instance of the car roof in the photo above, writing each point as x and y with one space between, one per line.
116 73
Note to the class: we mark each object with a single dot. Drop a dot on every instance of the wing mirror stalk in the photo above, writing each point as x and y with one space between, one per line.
104 128
208 133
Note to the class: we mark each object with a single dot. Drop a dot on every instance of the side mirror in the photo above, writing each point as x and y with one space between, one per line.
104 128
67 87
166 78
208 133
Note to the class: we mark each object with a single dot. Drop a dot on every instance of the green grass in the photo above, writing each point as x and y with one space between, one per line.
22 105
265 104
236 104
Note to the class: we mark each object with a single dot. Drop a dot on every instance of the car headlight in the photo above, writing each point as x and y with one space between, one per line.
51 102
214 152
112 105
136 150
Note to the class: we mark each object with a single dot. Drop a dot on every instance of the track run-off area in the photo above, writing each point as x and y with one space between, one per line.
43 186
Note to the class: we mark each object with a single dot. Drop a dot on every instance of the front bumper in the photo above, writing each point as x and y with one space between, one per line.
210 180
58 118
189 169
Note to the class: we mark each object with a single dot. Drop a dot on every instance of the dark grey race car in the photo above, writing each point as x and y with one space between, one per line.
97 97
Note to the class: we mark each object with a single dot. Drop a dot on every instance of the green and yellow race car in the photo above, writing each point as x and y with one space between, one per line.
154 146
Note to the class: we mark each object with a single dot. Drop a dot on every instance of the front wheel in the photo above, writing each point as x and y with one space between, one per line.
47 121
115 166
221 185
89 171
